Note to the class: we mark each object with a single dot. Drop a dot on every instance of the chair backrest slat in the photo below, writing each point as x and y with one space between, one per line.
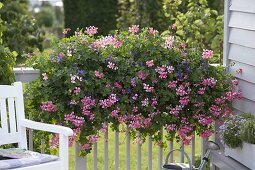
12 115
11 111
3 112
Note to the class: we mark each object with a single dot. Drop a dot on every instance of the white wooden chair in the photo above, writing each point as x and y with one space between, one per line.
13 126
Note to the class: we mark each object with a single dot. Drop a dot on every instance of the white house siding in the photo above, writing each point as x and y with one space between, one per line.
239 49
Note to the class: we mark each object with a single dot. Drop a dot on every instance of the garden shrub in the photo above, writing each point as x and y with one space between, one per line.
137 79
198 22
7 59
21 33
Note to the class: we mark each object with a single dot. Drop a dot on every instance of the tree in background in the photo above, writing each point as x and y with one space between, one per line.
199 22
83 13
146 13
22 33
7 59
45 17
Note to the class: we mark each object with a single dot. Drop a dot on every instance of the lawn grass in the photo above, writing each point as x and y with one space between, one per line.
133 153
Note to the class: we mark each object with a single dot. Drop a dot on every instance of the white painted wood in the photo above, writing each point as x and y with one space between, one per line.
30 140
3 111
12 115
95 156
46 127
226 33
193 150
225 163
116 152
245 105
139 153
203 147
43 146
247 74
26 74
80 162
7 138
160 152
63 151
54 165
106 149
242 37
242 54
127 149
18 135
171 147
149 153
248 89
243 5
242 20
181 153
7 91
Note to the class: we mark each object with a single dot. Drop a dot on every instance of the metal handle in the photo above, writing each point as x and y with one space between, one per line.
180 150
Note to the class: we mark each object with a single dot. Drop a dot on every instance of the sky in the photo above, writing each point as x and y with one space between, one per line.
53 2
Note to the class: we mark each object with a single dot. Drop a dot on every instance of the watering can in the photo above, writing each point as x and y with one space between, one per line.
183 166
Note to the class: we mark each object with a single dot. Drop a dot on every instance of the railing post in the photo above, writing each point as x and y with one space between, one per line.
149 153
127 149
80 162
139 152
116 154
106 149
160 151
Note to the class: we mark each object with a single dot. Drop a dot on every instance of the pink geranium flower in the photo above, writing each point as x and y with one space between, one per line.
207 54
134 29
91 30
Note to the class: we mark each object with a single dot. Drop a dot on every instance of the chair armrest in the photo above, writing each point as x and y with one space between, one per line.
46 127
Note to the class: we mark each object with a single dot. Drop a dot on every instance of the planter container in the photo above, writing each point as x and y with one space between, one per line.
244 155
26 74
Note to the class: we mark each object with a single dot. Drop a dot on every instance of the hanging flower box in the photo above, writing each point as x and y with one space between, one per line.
244 155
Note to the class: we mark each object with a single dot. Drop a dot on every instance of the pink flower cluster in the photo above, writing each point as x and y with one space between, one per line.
207 133
209 82
106 103
48 106
74 78
141 75
138 121
77 90
91 140
172 84
207 54
134 29
170 127
203 119
54 141
106 41
184 100
164 70
75 120
91 30
169 43
176 110
112 66
148 88
88 103
215 110
115 112
150 63
45 76
98 74
152 31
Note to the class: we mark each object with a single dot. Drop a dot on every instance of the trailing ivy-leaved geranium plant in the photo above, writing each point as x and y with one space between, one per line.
137 79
